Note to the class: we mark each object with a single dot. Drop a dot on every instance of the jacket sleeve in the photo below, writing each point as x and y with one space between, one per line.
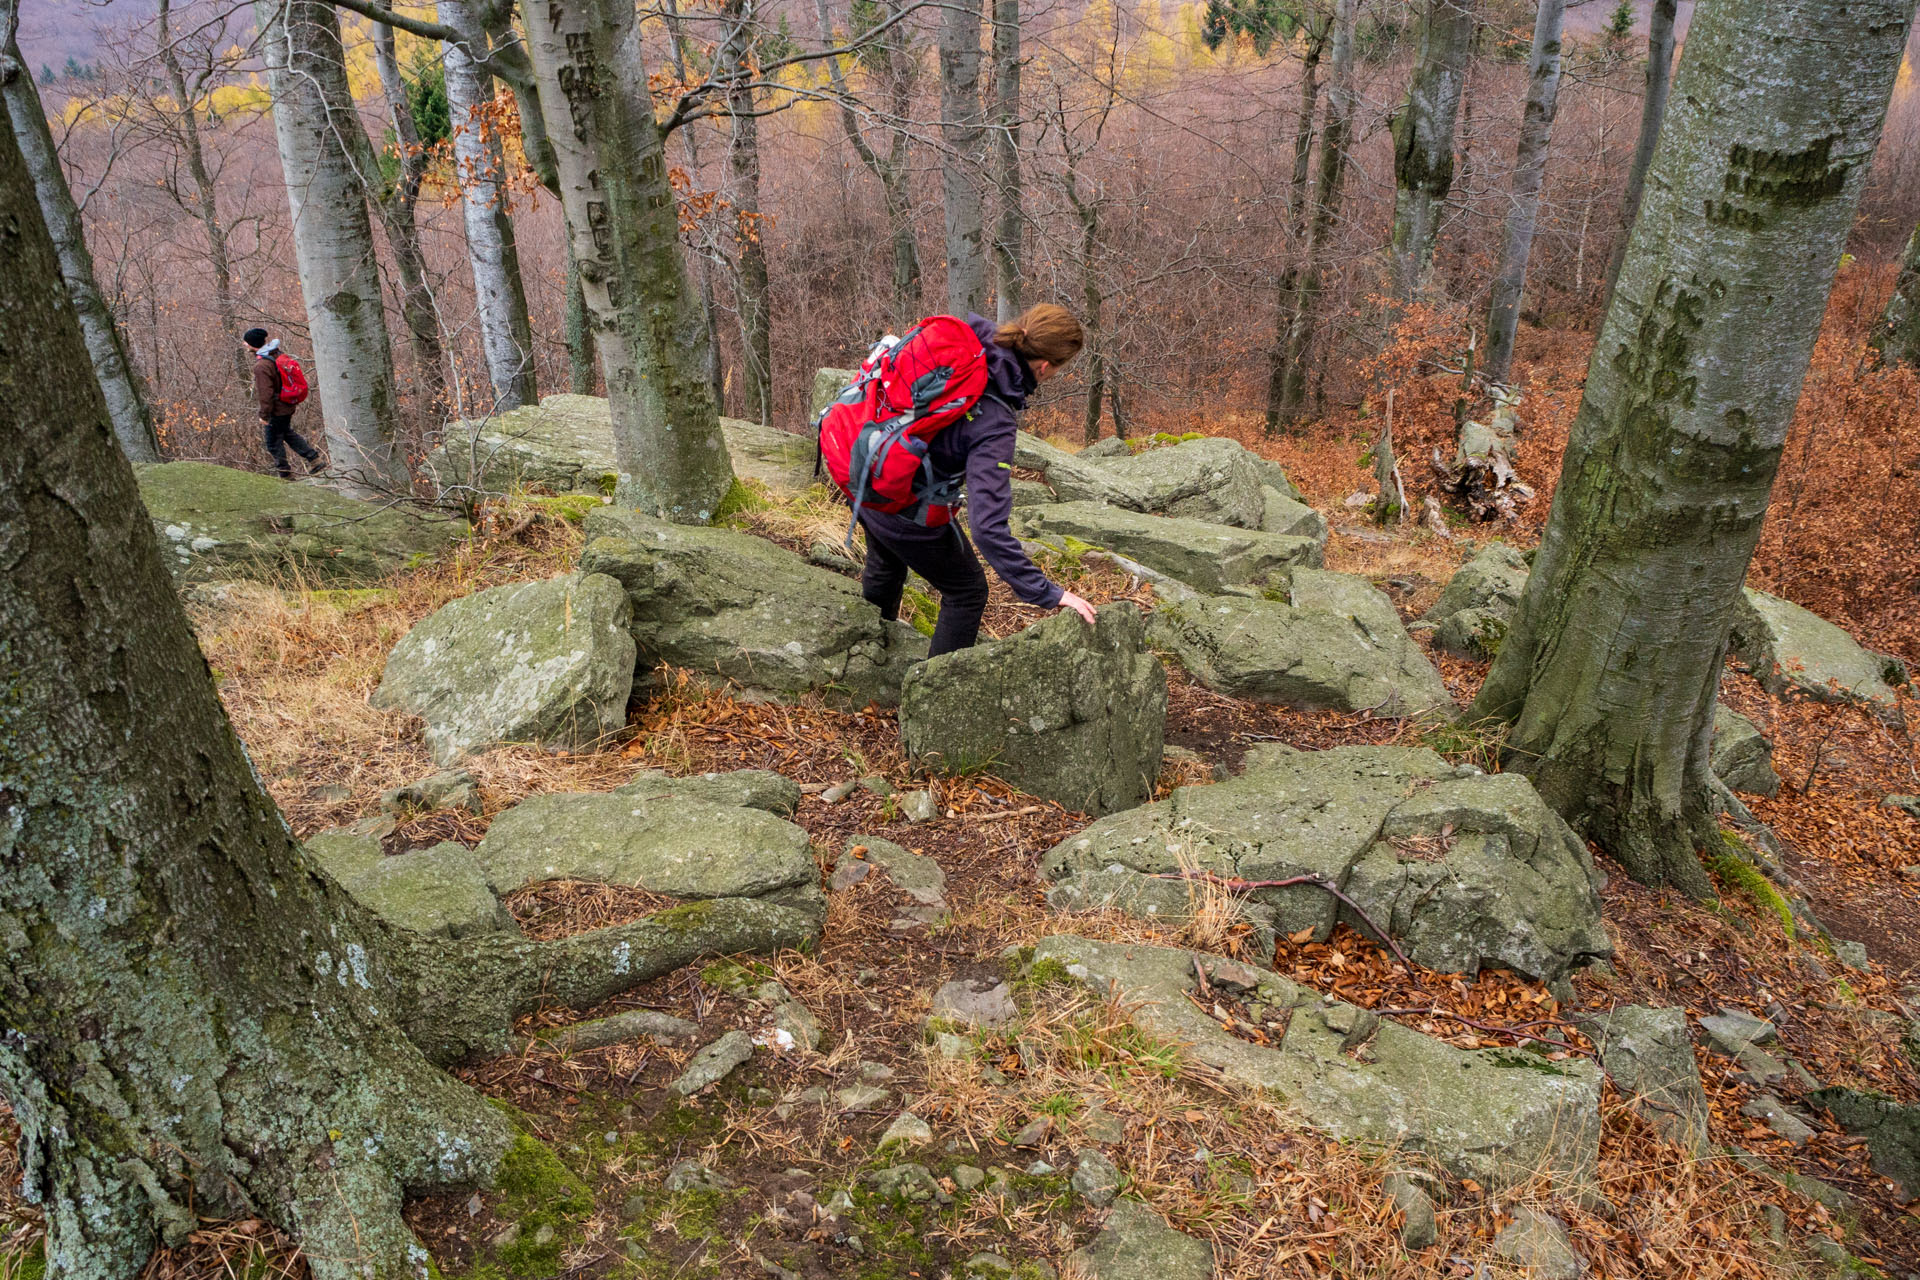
266 387
990 503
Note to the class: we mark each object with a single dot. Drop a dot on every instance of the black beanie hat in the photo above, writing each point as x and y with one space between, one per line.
255 338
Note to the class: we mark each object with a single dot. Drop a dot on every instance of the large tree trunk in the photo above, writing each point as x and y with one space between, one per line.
1011 225
1287 293
1423 141
1898 336
499 293
624 228
333 244
1529 172
895 73
1653 109
743 192
1334 134
963 131
186 100
195 1022
1611 666
690 139
132 419
399 204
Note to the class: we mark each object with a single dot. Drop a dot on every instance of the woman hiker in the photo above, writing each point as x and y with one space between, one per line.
977 450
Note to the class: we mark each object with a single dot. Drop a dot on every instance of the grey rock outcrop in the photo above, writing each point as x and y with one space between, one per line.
1497 1116
1137 1244
728 605
1740 755
435 891
1205 556
215 523
1476 607
1649 1056
745 788
1789 648
1463 869
1289 515
1076 479
1538 1242
827 384
1331 643
674 845
565 444
1065 711
544 662
1212 479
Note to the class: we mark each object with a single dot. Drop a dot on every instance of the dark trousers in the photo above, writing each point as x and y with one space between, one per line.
279 433
945 559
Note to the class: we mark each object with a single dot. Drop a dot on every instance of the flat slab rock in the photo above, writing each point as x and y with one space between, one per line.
565 444
531 662
1464 869
217 523
1648 1054
731 606
1137 1244
1496 1116
1205 556
436 891
1213 479
674 845
1068 712
1791 648
1327 642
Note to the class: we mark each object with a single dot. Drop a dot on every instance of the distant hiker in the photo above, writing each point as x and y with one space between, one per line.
279 384
930 416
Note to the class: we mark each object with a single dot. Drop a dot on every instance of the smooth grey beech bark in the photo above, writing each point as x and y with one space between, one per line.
1287 293
735 66
963 129
493 254
895 73
1898 335
1653 109
1335 132
690 140
1423 141
316 127
1529 172
624 228
112 366
1610 669
398 200
1010 225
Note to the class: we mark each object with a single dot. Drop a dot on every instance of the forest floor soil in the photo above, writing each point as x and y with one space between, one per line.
1229 1167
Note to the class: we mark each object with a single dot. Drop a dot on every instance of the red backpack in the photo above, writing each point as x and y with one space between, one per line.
293 379
874 436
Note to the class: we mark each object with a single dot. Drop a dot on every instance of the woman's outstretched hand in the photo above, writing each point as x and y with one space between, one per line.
1068 600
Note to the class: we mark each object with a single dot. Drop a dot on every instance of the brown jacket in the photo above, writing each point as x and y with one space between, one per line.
266 388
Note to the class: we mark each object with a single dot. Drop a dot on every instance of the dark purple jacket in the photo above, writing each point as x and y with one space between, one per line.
979 450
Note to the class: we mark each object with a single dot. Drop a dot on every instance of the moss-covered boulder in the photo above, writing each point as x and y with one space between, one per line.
673 845
1794 650
1291 516
1462 869
1473 613
543 662
437 891
1740 755
737 608
1204 555
1137 1244
565 444
216 523
1329 642
1498 1116
1066 711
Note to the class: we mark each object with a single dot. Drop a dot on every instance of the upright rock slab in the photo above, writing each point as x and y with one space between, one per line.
1498 1116
1331 643
1066 711
1649 1055
1740 754
1474 611
1214 479
544 662
1463 869
1789 648
729 605
1288 515
1207 557
216 523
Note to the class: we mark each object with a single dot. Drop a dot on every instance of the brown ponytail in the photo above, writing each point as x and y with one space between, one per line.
1044 332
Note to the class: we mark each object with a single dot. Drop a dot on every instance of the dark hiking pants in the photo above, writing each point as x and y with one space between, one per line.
279 433
946 560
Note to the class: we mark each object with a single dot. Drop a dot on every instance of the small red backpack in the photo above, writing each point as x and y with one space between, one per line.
874 436
293 379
